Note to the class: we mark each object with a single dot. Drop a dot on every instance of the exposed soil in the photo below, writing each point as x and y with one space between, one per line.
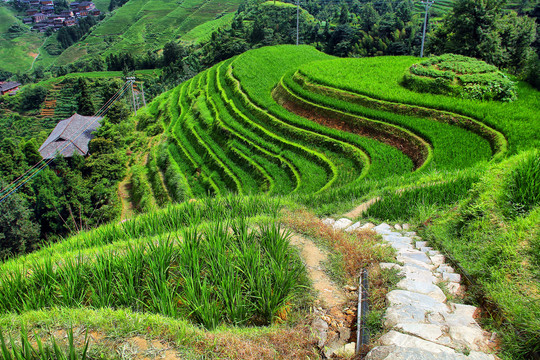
295 342
357 211
326 117
123 192
330 294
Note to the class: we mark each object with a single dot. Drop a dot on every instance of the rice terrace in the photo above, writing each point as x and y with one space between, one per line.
243 197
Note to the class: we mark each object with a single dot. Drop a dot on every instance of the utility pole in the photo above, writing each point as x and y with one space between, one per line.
131 79
142 89
427 4
297 21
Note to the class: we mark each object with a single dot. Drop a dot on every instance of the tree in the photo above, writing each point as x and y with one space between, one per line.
118 112
32 97
172 53
517 34
478 28
85 104
31 152
368 17
470 29
17 231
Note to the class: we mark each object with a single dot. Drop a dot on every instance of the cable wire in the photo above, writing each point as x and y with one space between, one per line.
30 173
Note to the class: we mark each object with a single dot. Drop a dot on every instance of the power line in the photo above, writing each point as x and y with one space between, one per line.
113 98
29 174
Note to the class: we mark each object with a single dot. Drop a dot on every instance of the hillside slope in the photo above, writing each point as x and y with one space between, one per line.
17 50
140 26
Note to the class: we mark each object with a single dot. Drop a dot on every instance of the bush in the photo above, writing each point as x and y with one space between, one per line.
31 97
462 76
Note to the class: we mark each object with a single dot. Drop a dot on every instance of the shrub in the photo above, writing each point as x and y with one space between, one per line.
459 75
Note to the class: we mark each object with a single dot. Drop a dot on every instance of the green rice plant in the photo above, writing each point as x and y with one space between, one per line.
264 118
40 289
170 219
72 282
267 182
196 295
523 185
234 119
443 130
417 148
203 306
102 281
380 77
141 193
163 291
27 351
160 194
403 205
13 286
129 278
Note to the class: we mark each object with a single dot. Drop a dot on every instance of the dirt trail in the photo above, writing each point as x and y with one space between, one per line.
357 211
329 293
123 193
35 56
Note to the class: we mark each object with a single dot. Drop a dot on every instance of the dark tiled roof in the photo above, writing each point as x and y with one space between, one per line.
9 85
70 136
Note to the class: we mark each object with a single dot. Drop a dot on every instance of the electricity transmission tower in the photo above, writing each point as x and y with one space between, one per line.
427 4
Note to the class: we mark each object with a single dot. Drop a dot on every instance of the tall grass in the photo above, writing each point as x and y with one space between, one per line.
523 185
407 204
27 351
168 220
225 272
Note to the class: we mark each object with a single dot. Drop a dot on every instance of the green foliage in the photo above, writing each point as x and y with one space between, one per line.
248 283
462 76
523 188
498 252
31 97
27 351
407 204
85 104
18 233
482 29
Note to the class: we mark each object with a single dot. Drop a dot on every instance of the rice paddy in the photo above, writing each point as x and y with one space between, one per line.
272 128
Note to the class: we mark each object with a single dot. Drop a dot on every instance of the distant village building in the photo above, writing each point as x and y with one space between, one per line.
9 87
43 15
70 136
66 13
47 9
39 17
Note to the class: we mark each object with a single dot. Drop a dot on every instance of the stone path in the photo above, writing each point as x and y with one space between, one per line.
421 323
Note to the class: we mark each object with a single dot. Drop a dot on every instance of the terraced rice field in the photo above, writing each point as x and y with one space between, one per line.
291 120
